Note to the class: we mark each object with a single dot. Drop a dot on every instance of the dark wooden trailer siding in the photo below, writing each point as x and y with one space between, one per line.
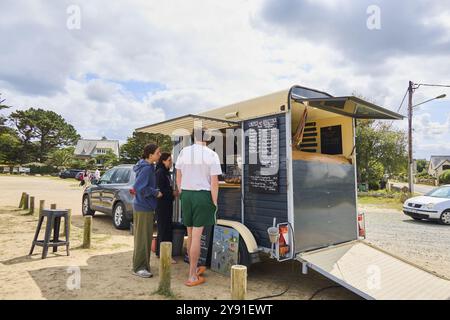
229 202
261 208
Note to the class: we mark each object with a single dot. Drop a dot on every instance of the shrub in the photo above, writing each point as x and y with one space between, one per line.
374 185
445 177
39 168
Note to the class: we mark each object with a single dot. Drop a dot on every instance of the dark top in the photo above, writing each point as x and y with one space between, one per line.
164 183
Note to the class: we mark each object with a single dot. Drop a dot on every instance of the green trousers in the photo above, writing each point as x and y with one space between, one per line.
143 236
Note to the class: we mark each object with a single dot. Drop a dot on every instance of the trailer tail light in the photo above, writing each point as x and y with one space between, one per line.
283 242
361 226
132 191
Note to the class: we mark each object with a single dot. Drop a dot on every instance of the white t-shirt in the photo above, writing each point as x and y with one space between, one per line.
197 164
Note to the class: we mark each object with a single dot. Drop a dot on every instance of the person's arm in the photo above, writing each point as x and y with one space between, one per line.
141 185
215 170
179 179
214 189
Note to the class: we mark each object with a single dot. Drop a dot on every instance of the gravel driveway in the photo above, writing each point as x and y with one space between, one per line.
422 242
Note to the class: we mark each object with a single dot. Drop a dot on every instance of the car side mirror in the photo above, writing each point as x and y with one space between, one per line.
95 181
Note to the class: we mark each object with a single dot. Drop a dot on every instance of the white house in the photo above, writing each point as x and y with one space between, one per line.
438 164
88 148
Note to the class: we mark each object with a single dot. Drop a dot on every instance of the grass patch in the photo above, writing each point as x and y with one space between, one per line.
388 203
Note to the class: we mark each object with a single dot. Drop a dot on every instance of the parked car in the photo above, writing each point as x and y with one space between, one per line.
113 195
435 205
71 173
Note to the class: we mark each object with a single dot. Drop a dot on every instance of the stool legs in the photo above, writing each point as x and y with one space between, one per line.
48 232
36 235
56 233
67 227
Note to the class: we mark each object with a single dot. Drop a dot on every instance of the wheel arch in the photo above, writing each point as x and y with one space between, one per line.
244 232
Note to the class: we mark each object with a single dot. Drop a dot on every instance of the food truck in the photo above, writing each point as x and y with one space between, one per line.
289 189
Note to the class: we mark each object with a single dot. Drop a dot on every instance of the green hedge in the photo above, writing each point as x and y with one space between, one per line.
445 177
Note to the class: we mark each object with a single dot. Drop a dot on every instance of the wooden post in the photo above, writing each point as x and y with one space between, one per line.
31 205
238 282
26 203
22 200
165 263
69 221
87 232
53 206
41 206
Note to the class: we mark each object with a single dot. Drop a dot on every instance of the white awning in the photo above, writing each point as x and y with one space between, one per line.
352 107
183 126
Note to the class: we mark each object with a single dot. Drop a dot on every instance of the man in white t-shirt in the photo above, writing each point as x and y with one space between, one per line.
198 169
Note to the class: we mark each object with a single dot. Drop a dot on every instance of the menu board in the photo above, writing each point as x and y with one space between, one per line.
263 149
205 248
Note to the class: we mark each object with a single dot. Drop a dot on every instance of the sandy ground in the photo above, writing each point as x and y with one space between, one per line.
105 268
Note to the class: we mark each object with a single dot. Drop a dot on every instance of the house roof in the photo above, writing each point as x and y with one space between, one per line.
86 147
437 161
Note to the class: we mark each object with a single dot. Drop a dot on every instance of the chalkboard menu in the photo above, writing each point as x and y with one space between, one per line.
205 248
263 149
331 140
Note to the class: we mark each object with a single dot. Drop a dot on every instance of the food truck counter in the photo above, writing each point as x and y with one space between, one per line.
229 185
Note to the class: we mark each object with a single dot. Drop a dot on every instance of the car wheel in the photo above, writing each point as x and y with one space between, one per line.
445 217
86 207
120 221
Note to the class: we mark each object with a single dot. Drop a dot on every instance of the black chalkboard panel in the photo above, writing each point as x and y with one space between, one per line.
205 247
331 140
264 160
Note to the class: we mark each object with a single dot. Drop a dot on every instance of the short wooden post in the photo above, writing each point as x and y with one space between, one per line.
238 282
165 263
53 206
87 232
41 206
22 200
26 203
69 221
31 205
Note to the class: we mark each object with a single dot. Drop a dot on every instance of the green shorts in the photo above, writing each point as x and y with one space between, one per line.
197 208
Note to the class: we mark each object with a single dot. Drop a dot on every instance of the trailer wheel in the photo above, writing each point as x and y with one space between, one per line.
243 254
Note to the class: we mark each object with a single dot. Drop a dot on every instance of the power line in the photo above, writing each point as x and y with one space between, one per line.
403 100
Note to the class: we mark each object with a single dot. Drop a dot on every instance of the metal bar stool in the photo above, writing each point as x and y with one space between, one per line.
53 222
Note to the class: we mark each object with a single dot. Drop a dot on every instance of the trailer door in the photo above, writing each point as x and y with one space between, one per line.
375 274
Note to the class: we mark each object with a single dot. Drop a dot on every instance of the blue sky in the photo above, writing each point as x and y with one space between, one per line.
110 67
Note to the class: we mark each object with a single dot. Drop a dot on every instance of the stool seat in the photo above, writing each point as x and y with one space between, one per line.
53 223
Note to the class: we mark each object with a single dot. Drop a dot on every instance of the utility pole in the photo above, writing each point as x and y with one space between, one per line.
410 142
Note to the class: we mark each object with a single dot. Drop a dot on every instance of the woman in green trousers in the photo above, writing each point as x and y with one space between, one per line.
144 205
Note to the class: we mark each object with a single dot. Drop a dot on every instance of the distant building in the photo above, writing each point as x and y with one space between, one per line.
438 164
87 149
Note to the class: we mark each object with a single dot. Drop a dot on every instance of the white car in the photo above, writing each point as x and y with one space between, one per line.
435 205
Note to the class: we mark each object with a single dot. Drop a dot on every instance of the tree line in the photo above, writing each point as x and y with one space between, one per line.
38 136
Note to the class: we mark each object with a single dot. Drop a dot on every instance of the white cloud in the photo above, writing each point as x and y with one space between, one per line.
205 54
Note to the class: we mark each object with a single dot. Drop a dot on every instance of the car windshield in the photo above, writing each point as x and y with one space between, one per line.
442 192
